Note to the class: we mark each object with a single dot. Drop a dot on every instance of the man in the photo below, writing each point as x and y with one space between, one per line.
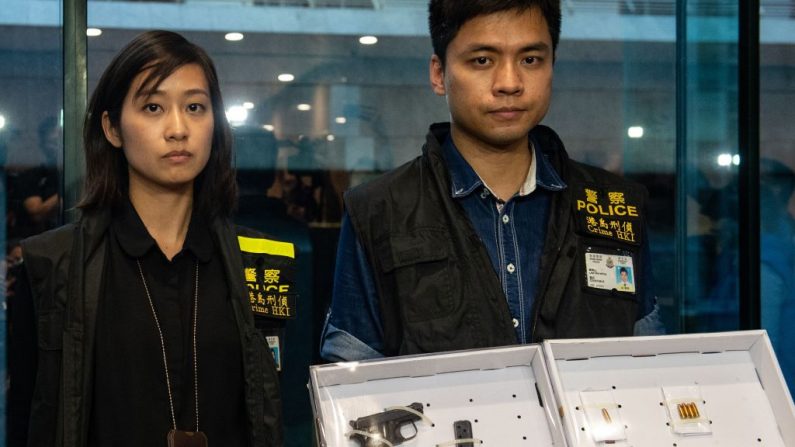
492 236
624 284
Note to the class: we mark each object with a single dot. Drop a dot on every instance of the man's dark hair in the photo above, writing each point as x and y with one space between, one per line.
623 270
161 53
446 17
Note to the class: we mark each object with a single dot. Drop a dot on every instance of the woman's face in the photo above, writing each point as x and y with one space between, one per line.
166 134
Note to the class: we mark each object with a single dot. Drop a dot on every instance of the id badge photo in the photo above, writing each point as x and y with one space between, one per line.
610 269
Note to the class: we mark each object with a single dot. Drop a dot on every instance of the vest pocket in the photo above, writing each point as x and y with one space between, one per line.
608 303
420 267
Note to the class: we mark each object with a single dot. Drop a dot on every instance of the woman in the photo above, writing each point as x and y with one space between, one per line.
145 331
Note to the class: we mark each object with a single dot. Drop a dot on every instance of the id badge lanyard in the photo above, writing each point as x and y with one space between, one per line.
176 437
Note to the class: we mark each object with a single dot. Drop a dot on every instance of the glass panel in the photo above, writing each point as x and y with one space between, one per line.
31 153
777 180
709 265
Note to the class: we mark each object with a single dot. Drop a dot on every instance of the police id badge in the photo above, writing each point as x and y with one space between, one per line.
269 270
610 269
609 212
276 351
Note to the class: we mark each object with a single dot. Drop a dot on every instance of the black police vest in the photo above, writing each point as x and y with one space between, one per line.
436 286
66 294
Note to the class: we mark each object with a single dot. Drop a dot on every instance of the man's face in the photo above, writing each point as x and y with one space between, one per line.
497 78
624 276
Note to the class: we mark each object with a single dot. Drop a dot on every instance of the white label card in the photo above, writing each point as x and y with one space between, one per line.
608 271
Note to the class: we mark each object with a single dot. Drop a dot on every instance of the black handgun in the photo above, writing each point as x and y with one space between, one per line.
386 426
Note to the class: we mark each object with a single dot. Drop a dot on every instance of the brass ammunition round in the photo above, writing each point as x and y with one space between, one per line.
606 416
694 408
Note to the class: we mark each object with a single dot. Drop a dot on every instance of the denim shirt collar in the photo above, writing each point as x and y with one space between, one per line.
464 180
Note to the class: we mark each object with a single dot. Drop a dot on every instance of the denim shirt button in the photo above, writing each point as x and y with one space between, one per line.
511 268
515 322
505 218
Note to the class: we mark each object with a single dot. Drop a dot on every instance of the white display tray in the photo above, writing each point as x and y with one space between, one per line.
497 390
744 399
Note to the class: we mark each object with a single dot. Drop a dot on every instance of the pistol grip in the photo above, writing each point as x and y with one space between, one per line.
463 430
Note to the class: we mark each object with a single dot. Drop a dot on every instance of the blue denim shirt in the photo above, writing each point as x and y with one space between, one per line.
513 233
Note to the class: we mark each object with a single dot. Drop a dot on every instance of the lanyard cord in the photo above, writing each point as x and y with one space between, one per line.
163 345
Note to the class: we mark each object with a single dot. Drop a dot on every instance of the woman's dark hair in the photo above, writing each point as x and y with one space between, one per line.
446 17
162 53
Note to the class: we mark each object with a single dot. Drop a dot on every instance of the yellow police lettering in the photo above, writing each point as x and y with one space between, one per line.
271 276
281 311
616 198
597 230
610 210
591 196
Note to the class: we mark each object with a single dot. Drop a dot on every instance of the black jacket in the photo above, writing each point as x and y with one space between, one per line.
436 286
65 270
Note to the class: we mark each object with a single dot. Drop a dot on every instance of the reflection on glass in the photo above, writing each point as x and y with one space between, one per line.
31 154
710 268
777 182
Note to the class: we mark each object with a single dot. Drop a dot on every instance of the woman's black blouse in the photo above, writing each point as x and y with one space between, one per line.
130 399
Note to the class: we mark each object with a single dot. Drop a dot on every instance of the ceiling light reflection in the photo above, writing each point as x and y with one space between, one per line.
635 132
236 115
728 159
